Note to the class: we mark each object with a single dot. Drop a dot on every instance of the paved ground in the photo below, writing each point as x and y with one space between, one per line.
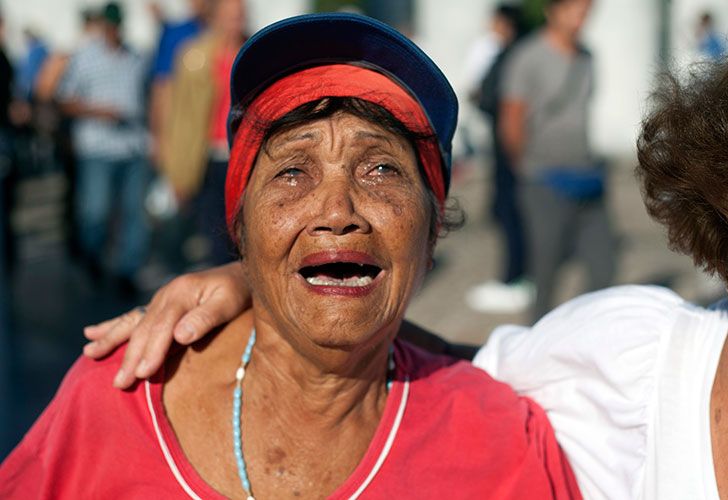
52 299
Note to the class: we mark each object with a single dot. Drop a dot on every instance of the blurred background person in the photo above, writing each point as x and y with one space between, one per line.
173 36
6 163
31 64
479 57
176 227
512 292
103 90
193 147
46 89
6 160
711 42
546 92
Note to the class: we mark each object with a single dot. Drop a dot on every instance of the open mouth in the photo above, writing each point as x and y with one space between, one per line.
340 274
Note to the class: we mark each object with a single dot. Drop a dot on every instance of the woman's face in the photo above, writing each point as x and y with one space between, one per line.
336 231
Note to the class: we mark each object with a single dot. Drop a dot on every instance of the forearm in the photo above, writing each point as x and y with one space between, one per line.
513 144
78 109
512 131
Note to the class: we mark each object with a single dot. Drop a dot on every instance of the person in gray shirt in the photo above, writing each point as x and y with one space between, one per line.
546 92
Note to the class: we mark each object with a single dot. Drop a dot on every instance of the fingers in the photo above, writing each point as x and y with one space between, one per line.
213 312
149 343
156 330
108 335
185 309
125 376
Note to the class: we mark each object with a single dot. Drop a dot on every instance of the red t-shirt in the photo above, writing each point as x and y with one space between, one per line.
451 431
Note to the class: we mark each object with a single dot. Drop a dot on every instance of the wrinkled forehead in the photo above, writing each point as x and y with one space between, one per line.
338 122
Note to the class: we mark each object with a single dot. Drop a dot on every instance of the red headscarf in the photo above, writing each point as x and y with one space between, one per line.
336 80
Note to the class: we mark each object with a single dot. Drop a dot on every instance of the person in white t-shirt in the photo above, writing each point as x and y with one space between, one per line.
634 379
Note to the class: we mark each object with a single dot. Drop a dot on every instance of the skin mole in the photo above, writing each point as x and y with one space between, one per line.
275 455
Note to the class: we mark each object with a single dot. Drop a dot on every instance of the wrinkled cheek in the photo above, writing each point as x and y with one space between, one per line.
269 236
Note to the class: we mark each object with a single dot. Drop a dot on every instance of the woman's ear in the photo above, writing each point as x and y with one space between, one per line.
239 232
431 254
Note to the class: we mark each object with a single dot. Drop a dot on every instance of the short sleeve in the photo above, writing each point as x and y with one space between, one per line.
164 58
517 83
592 365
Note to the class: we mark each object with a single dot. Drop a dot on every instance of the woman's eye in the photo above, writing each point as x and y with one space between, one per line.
383 169
290 172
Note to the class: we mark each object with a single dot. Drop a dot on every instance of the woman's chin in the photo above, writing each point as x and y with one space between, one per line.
345 330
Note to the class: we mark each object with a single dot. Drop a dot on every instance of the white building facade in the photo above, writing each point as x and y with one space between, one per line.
623 35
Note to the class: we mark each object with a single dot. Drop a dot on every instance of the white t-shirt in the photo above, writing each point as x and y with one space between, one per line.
625 375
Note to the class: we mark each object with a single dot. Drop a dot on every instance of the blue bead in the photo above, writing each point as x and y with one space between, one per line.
237 412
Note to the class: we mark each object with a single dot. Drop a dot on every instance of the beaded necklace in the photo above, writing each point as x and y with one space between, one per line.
238 404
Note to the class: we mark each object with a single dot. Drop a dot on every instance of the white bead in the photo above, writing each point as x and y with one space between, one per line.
240 374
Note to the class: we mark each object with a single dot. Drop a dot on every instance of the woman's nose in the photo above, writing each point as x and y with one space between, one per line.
337 210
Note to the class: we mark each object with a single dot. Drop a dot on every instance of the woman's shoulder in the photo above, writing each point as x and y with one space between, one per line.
595 325
87 392
450 381
486 425
87 373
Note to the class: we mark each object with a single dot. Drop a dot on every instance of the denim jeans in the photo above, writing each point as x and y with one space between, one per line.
103 186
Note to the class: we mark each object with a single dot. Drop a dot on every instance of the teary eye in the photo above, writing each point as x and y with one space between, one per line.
290 172
383 169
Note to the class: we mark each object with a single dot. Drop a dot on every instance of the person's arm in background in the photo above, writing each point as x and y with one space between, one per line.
77 108
515 88
191 306
50 76
512 128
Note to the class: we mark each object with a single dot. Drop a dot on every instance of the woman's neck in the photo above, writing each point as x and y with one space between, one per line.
309 413
317 386
307 420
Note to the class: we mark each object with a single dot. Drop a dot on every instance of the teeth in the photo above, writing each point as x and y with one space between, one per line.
349 282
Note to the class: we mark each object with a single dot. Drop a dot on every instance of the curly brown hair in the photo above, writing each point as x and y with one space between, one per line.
683 163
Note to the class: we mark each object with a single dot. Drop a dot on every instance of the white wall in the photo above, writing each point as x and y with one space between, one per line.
685 15
59 20
622 34
624 37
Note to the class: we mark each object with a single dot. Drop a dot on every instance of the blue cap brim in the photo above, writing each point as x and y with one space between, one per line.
315 39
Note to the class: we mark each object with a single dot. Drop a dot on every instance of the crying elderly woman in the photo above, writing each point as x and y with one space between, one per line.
340 132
